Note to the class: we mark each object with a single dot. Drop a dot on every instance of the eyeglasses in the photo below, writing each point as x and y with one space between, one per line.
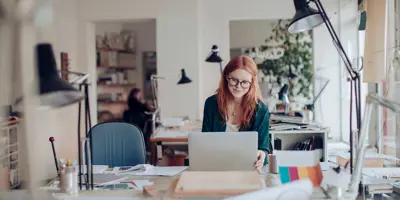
235 82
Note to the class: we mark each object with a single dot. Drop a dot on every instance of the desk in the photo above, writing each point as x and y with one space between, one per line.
157 143
163 184
288 137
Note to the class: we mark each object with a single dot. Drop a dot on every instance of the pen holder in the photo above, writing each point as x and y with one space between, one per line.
69 180
272 165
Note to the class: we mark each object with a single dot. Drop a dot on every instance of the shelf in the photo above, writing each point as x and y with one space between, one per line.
112 102
116 50
118 67
116 84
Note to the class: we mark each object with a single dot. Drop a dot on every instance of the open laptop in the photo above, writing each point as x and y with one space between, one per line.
222 151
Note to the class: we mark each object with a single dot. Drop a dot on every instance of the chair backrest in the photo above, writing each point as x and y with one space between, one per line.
117 144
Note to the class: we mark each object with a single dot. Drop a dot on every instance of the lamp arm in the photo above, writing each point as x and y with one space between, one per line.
353 73
371 100
320 92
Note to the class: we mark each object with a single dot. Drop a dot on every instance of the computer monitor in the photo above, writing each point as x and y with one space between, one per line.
222 151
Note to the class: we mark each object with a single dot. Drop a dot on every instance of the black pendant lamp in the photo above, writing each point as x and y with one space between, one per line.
214 57
184 79
305 18
54 91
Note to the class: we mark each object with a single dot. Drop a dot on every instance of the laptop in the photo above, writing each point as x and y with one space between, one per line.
222 151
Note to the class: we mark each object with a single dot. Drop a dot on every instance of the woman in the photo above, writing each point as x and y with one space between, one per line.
237 105
136 113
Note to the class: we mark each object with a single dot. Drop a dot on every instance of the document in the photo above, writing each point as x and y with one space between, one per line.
162 171
171 134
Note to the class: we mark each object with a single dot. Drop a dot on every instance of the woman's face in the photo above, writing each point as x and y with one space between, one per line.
239 82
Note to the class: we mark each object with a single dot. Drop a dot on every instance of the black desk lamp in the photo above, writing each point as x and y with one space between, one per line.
54 92
214 57
282 95
307 18
184 79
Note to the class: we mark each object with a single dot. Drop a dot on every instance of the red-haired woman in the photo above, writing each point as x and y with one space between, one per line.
237 105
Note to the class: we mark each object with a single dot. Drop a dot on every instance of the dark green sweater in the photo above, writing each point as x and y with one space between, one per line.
213 122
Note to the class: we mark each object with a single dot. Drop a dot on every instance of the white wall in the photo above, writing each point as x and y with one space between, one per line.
250 33
146 41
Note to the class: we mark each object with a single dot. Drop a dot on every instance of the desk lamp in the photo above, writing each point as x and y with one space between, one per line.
54 92
307 18
214 57
154 88
283 96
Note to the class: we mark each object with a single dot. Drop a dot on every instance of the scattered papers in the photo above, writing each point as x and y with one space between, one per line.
139 184
130 169
105 179
162 171
339 180
171 134
97 169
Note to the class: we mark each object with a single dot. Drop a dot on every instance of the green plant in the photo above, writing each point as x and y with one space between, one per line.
296 59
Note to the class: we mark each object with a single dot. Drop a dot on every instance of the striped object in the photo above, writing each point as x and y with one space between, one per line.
298 165
289 174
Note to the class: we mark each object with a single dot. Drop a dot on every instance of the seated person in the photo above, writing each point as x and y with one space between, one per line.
136 113
237 105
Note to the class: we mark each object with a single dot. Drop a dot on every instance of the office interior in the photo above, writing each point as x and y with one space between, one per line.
162 42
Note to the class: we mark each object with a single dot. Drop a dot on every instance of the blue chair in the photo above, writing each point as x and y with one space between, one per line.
117 144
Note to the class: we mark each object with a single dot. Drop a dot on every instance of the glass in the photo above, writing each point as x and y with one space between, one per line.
235 82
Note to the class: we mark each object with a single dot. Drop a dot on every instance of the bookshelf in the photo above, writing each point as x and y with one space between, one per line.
9 156
116 70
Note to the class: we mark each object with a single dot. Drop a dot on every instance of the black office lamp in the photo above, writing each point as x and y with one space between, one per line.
307 18
54 92
282 95
214 57
184 79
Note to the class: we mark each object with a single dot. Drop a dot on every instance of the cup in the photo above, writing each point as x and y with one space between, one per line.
69 180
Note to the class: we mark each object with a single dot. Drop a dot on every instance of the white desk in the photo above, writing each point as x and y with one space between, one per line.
290 137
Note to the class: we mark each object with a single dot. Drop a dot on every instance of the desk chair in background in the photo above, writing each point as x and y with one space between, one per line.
117 144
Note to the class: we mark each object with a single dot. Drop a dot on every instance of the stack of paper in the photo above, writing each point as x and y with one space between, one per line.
171 134
162 171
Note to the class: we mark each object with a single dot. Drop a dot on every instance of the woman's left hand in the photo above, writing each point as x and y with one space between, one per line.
260 160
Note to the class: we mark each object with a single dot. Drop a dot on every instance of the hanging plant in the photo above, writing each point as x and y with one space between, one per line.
296 60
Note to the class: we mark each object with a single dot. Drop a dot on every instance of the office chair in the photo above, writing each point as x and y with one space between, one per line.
117 144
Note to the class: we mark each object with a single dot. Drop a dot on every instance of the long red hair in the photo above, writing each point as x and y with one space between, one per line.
250 99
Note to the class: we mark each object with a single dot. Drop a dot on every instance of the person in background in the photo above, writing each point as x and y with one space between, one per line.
136 113
237 105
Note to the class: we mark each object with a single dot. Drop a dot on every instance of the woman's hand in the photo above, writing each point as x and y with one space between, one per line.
260 160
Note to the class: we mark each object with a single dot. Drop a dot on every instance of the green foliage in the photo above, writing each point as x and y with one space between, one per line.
297 59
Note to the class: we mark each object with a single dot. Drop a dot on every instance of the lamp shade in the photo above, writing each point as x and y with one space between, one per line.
54 91
214 57
306 18
184 79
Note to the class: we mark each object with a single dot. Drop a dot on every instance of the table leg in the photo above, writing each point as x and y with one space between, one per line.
153 157
159 151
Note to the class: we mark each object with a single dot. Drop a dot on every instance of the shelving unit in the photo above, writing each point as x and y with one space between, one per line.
9 157
115 71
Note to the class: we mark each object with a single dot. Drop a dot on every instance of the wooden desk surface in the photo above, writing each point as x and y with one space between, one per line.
188 127
165 185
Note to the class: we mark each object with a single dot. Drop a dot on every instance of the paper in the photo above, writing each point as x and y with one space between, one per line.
299 190
104 179
340 180
173 122
162 171
171 134
130 169
139 184
97 169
